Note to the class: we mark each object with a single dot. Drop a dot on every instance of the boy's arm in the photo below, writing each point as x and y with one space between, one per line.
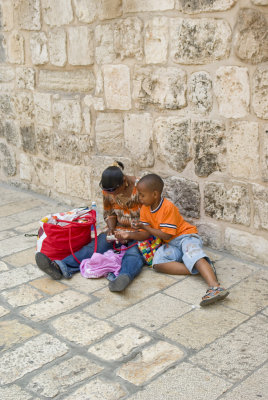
155 232
136 235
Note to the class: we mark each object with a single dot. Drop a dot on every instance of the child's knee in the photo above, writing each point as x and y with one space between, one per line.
157 268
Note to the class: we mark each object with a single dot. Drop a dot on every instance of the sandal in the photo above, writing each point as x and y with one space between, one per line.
214 294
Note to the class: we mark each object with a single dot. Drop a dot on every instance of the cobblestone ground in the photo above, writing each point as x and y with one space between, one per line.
76 340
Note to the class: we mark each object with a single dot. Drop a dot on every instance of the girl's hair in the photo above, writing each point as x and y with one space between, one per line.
112 177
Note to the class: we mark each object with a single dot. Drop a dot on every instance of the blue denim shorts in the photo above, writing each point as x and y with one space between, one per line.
185 248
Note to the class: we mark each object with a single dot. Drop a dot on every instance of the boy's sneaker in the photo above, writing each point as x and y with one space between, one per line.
214 294
49 267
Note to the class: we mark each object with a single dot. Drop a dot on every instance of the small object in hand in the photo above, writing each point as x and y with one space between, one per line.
111 238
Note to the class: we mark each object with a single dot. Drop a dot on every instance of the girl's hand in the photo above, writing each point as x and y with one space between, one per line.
122 236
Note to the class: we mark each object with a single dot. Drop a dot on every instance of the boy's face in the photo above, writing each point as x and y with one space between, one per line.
146 196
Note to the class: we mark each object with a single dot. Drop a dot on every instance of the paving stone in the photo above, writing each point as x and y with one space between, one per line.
13 332
238 353
84 285
150 362
16 277
80 328
3 266
12 207
6 234
144 285
25 217
21 258
167 309
3 311
14 364
190 290
60 377
48 285
184 382
55 305
120 345
15 392
202 326
29 228
230 272
265 311
98 390
21 296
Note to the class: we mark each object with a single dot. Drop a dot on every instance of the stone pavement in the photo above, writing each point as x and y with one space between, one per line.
75 340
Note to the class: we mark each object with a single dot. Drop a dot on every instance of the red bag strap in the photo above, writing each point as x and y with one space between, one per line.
70 242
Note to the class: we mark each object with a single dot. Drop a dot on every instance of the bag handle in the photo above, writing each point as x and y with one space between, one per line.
70 241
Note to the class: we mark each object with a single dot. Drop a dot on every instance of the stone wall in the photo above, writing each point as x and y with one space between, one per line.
176 87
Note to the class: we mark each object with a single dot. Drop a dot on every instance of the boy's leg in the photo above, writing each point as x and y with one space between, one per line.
206 271
172 268
168 259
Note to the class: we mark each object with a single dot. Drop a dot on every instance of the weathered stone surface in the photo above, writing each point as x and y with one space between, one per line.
80 45
26 167
211 235
199 6
7 16
109 9
39 50
138 131
199 41
79 80
149 5
251 36
109 133
260 202
24 106
260 2
25 78
260 92
104 50
60 377
86 10
21 296
242 150
67 116
6 105
117 86
149 362
128 41
28 14
12 133
7 76
28 138
44 141
96 102
78 180
57 47
210 148
48 286
172 135
42 108
8 160
14 392
16 48
3 311
16 363
70 148
3 55
57 12
264 155
104 390
200 92
59 182
231 88
162 87
156 40
185 194
246 245
43 172
228 203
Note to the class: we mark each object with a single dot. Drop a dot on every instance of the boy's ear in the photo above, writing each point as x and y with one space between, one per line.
155 194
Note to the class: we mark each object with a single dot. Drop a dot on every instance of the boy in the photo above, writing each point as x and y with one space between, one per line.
182 253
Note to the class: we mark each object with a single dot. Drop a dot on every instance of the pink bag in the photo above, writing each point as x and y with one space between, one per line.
101 264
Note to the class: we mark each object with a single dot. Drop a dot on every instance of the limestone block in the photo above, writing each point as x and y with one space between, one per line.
86 10
57 12
12 133
42 106
44 141
104 389
7 77
57 47
230 202
138 132
26 167
185 194
162 87
8 160
109 134
247 246
67 115
59 182
43 173
3 51
243 150
7 16
149 5
28 138
156 40
260 92
260 201
99 80
70 148
96 102
87 122
104 51
199 6
24 106
231 88
200 92
260 2
16 48
250 39
6 105
264 155
79 80
172 135
117 86
199 41
80 45
25 78
109 9
78 182
14 392
39 50
28 14
128 40
210 234
209 146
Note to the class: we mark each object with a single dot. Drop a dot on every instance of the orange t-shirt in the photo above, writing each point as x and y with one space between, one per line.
167 218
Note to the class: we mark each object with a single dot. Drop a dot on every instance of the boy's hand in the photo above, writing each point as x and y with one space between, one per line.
137 225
